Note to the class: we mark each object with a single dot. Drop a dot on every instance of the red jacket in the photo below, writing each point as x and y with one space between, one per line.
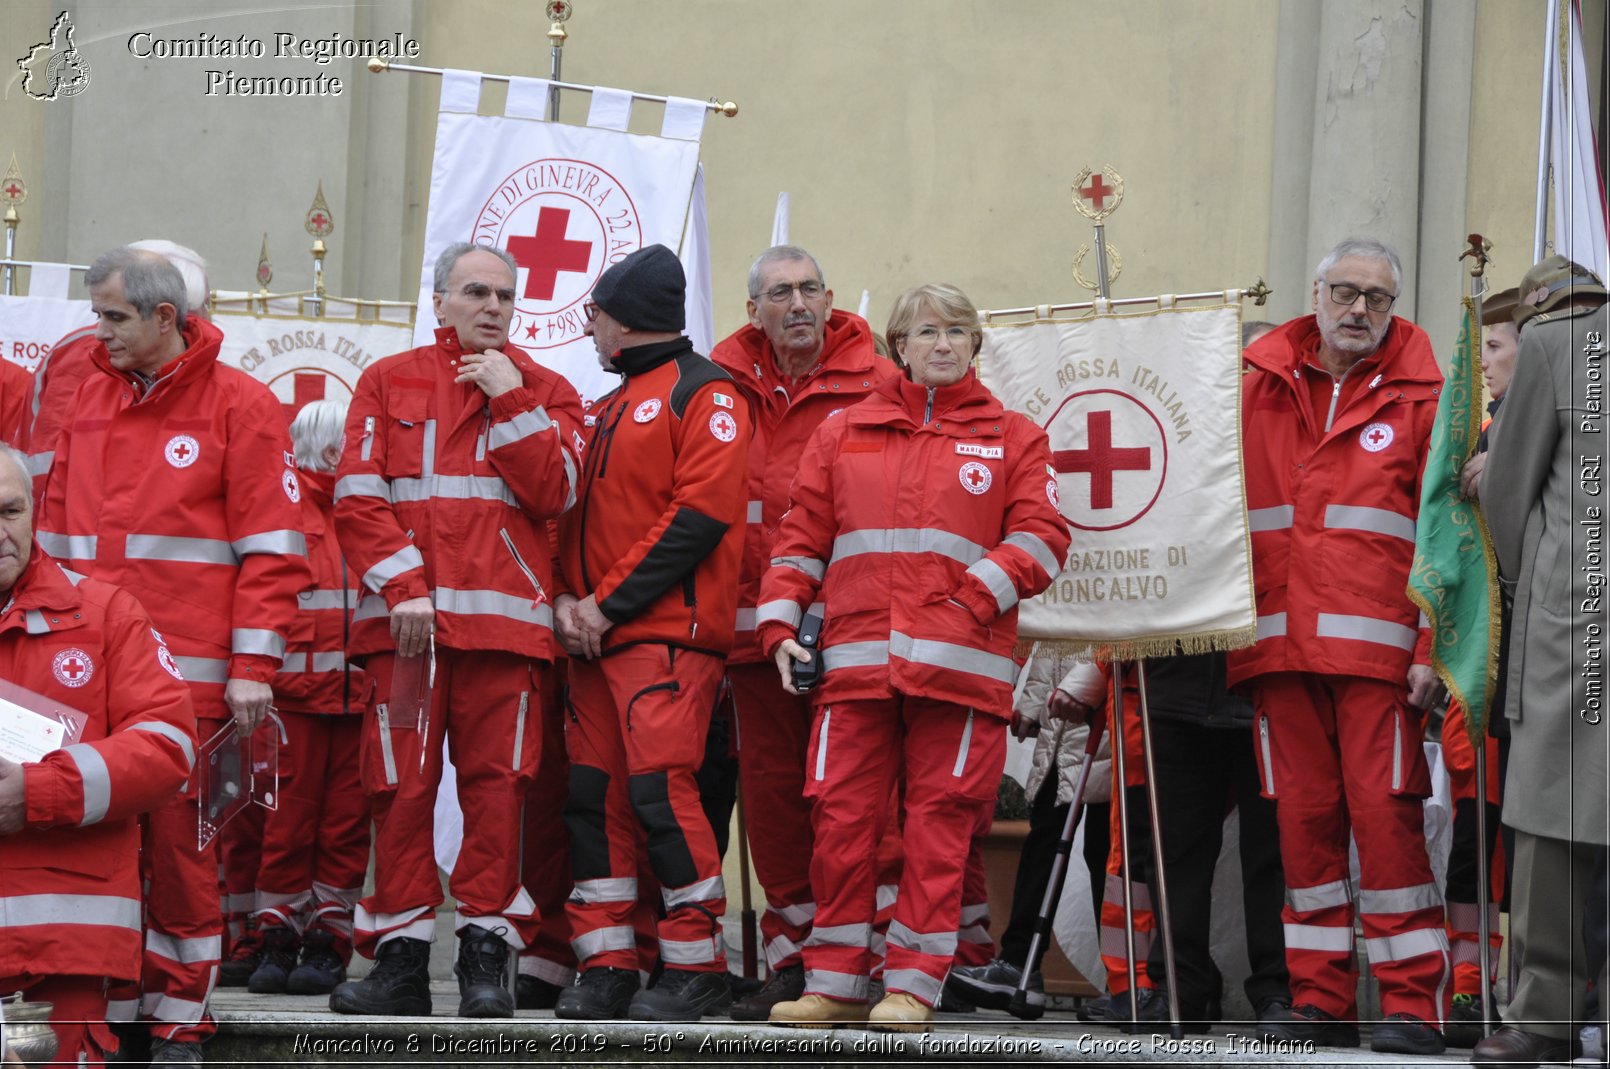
56 381
920 518
181 491
316 677
1332 512
443 493
784 418
659 531
16 398
70 882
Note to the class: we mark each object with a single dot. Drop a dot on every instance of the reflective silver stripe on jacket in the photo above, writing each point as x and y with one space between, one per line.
1035 547
1276 518
839 935
849 987
173 735
67 547
34 622
954 657
1332 939
272 542
97 780
810 566
191 951
362 486
453 488
912 981
1271 626
180 549
112 911
39 463
520 427
327 599
203 669
297 663
405 559
782 611
1320 896
756 512
1366 629
745 620
854 655
256 641
996 581
906 540
690 951
492 603
1376 521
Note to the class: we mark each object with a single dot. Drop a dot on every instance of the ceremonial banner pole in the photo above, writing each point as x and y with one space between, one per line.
558 13
1551 74
13 192
377 65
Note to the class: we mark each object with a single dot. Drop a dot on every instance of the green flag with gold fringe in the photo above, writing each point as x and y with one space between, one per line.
1454 580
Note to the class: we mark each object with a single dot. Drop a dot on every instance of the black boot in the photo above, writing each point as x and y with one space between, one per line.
482 971
535 993
321 968
398 985
785 985
279 958
243 960
683 995
600 994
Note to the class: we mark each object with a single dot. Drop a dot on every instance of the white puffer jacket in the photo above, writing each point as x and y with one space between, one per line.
1060 741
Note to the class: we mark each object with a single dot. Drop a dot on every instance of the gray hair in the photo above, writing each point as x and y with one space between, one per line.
317 427
19 460
775 254
188 262
1367 248
457 251
148 280
1253 329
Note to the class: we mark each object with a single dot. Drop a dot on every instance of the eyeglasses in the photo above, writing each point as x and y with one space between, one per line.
1374 300
928 335
480 291
589 311
783 292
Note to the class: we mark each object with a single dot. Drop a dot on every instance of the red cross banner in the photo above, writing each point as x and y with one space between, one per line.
566 202
304 359
1143 411
29 326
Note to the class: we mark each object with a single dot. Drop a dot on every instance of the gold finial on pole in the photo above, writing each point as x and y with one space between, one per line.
559 12
1259 291
13 191
320 223
1096 195
1477 254
265 269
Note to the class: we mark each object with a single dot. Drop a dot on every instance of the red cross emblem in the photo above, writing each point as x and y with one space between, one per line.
1100 460
1096 191
72 667
975 477
1376 437
318 220
307 387
548 252
182 450
13 191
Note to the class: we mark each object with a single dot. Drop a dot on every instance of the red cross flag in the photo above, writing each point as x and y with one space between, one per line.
1143 413
303 358
566 202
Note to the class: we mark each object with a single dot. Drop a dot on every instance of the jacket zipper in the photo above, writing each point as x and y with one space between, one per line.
690 599
1397 751
368 437
967 744
673 686
515 553
519 728
821 745
928 413
603 436
1268 761
480 441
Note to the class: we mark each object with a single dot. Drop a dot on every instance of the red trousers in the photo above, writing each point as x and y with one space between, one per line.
316 844
636 734
1464 912
951 758
974 945
240 854
487 704
1114 942
546 861
1336 751
77 1014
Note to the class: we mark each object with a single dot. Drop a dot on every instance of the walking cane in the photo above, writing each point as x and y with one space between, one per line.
1020 1007
1484 888
1175 1029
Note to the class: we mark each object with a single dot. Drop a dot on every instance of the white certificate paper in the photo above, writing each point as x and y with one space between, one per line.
27 736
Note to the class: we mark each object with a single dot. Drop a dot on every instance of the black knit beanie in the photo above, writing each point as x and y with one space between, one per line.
645 291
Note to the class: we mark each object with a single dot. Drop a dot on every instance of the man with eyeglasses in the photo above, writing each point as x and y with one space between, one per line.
1337 420
456 454
796 362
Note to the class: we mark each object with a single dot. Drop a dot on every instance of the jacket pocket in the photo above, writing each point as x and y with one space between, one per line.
1266 763
408 435
538 594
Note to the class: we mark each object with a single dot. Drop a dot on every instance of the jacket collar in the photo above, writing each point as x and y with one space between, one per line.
1404 357
43 586
641 358
319 486
899 400
202 343
847 346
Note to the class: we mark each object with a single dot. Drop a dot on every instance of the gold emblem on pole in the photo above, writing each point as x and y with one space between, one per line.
265 268
1115 267
13 190
1097 194
320 223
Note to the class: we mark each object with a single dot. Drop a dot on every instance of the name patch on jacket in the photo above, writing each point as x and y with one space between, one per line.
988 452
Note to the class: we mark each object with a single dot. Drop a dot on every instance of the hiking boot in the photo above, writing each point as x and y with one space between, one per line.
321 968
992 986
1310 1024
275 963
1463 1028
483 973
682 995
243 960
398 985
599 994
534 993
900 1012
166 1053
785 985
818 1011
1404 1033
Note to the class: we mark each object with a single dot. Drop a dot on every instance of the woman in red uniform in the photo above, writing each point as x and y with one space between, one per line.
919 517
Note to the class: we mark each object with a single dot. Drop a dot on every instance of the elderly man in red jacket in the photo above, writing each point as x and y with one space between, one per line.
1337 419
69 837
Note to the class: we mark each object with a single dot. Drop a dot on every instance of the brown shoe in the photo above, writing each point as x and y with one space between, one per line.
900 1012
785 985
818 1011
1517 1049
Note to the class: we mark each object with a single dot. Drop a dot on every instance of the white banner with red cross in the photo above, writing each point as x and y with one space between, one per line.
1143 411
306 359
30 326
566 202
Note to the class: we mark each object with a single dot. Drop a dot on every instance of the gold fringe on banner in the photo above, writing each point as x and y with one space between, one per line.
1134 649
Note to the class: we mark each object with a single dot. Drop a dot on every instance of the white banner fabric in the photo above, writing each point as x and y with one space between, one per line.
303 359
29 326
1144 415
566 202
1580 219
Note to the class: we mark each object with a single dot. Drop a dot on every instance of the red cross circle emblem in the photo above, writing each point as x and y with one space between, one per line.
1110 456
182 450
72 667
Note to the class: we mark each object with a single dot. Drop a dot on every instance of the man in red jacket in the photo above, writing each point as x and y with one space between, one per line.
798 361
16 394
456 454
652 552
69 837
1337 420
173 479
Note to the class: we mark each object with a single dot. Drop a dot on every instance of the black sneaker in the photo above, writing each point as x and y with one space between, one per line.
1311 1024
1404 1033
275 965
1155 1016
1094 1010
951 1002
1464 1025
682 995
599 994
243 960
534 993
321 968
398 985
483 973
992 986
785 985
174 1052
1273 1010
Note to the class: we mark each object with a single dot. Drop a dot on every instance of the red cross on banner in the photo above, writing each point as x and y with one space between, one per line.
549 252
309 387
1100 460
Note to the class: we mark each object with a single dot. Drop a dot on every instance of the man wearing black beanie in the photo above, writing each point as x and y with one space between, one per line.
646 605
